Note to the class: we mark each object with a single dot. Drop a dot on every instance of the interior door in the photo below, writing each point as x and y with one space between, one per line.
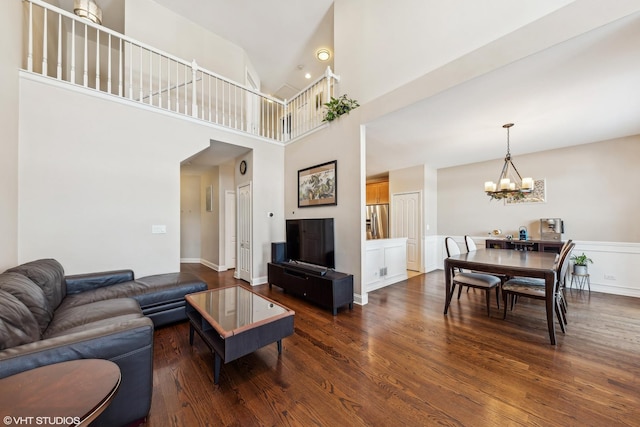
406 223
230 234
244 233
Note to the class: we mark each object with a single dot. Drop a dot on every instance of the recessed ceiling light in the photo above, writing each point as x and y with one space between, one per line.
323 54
307 76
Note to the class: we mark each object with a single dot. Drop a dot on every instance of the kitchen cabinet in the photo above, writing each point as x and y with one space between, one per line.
378 193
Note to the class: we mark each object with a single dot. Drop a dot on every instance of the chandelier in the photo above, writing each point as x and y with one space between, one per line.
510 184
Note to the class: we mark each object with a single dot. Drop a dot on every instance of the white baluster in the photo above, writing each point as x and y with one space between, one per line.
140 81
85 72
97 59
120 68
44 46
109 65
59 59
194 100
30 42
72 78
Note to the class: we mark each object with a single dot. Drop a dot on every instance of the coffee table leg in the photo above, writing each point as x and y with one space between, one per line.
191 330
279 346
216 367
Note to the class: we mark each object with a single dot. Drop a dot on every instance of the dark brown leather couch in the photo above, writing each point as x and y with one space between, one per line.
48 318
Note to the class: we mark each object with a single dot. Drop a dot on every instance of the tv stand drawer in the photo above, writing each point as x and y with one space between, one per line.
331 290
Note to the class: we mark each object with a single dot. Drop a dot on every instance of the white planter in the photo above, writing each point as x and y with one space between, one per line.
580 270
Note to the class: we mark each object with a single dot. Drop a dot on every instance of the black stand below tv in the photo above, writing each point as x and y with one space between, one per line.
326 288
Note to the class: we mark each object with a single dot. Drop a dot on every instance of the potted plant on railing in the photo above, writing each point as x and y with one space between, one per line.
338 106
580 264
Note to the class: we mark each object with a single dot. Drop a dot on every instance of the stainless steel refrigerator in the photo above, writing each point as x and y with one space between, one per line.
377 221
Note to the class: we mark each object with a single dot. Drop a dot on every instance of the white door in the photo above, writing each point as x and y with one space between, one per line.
406 223
243 270
230 229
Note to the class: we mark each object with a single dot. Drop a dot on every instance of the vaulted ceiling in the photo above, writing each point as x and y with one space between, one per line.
582 90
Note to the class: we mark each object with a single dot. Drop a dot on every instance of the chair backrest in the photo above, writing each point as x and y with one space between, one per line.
563 263
566 246
471 245
452 247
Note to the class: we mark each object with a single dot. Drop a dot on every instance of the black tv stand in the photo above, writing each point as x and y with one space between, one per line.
319 285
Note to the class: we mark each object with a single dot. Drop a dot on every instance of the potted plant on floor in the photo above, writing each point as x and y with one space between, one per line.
580 264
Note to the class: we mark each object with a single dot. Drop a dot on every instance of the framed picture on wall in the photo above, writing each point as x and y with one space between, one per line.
318 185
537 195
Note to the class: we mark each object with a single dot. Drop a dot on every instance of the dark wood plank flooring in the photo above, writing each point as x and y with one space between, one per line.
399 361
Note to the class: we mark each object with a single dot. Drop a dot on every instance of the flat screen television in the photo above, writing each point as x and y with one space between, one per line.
311 241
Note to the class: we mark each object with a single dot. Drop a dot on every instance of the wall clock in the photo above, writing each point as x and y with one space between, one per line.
243 167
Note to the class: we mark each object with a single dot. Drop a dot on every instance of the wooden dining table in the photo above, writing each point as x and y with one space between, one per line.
509 263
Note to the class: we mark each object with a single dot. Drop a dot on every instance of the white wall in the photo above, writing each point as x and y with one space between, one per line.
374 62
161 28
339 141
10 54
210 230
190 218
589 186
92 185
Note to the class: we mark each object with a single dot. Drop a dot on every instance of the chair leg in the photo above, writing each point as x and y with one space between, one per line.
504 303
561 319
498 297
460 290
488 298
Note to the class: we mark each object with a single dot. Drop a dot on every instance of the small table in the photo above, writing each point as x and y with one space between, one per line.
581 280
234 321
67 393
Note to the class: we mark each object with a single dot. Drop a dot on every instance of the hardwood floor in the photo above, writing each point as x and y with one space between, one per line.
400 361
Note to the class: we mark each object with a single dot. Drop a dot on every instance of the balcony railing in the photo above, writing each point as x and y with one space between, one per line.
67 48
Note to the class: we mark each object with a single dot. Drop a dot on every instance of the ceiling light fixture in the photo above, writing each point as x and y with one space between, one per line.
88 9
307 76
323 54
510 186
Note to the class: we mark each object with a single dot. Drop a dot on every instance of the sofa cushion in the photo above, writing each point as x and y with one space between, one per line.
17 324
146 290
49 275
68 318
30 294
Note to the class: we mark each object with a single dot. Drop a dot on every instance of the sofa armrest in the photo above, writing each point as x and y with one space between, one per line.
83 282
128 344
106 342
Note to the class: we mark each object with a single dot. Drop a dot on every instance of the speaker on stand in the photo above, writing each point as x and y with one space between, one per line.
278 252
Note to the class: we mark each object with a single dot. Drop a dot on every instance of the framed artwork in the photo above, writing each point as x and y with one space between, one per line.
318 185
209 198
538 195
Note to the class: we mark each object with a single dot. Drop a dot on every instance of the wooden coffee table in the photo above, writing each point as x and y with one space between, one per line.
66 393
234 321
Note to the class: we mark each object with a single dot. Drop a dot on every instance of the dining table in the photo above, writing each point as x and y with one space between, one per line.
511 263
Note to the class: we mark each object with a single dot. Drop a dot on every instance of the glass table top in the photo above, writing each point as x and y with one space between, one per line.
235 307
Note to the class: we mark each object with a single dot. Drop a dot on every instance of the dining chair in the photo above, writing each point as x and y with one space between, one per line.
534 288
469 243
472 280
567 247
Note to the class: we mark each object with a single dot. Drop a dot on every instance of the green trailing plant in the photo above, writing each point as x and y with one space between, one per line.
339 106
581 259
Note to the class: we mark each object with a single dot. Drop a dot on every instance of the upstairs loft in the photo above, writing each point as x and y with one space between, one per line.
76 51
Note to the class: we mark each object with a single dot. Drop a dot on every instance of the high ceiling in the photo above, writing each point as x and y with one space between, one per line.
579 91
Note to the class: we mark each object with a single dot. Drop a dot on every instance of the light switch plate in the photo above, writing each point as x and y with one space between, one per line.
158 229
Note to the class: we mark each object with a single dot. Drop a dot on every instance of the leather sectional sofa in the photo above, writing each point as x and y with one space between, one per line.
47 317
